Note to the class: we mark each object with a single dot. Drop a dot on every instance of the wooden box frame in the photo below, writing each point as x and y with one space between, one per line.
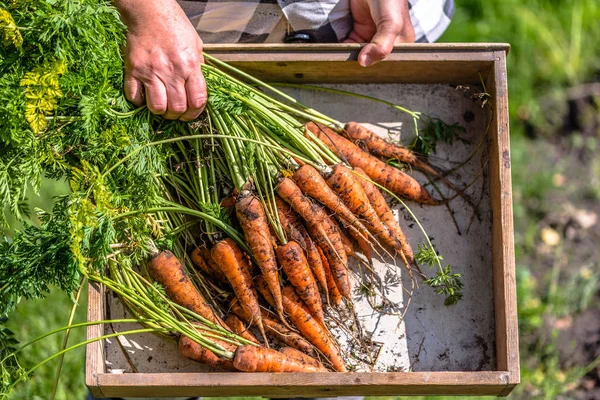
414 63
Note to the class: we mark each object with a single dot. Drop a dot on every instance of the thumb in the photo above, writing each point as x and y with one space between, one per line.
381 45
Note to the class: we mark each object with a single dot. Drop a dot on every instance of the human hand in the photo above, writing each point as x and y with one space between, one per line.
381 23
162 59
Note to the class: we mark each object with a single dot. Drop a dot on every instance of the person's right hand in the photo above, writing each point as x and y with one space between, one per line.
162 59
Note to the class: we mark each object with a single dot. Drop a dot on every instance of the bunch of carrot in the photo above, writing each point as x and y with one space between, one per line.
291 197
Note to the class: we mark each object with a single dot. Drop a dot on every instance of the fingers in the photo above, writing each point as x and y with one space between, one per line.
381 45
195 88
156 97
176 100
133 90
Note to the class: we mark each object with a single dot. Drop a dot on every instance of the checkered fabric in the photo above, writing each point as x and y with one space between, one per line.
328 21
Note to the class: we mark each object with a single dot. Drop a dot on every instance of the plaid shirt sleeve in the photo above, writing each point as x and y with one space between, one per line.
327 21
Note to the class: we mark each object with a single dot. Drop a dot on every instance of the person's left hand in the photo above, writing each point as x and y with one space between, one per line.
381 23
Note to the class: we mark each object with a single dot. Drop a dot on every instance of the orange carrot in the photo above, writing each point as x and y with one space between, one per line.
321 230
295 231
363 244
192 350
346 184
238 327
389 177
260 359
385 213
252 217
339 269
313 184
294 264
335 294
232 262
310 328
348 246
378 146
274 329
294 353
200 257
167 270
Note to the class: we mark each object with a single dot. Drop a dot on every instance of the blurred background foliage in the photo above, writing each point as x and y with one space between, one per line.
554 92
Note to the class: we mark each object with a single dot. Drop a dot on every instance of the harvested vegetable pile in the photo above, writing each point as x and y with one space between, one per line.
230 234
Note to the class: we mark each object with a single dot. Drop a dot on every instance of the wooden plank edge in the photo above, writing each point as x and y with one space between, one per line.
94 352
505 301
432 47
306 385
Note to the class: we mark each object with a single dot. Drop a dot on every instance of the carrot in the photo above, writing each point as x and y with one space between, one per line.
228 203
234 264
313 184
274 329
334 292
200 257
310 328
192 350
385 213
363 244
261 359
348 246
252 217
287 336
387 176
295 231
167 270
263 288
294 353
382 148
339 269
294 264
238 327
321 230
377 145
345 183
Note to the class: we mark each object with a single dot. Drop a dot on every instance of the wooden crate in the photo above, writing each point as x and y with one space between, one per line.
456 64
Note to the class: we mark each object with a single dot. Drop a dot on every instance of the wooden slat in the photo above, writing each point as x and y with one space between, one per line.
333 47
505 298
94 360
305 385
329 63
390 71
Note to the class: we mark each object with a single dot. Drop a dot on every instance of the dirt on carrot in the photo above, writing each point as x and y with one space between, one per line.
378 146
239 328
233 263
294 353
201 259
385 213
389 177
334 292
252 217
260 359
310 181
275 329
293 228
192 350
166 269
313 331
294 264
321 229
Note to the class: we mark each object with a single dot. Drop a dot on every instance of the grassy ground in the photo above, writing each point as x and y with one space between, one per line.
555 135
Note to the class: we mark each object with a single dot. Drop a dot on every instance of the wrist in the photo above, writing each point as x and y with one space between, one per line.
137 11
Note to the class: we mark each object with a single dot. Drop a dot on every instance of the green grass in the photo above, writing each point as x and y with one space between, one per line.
554 46
34 318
